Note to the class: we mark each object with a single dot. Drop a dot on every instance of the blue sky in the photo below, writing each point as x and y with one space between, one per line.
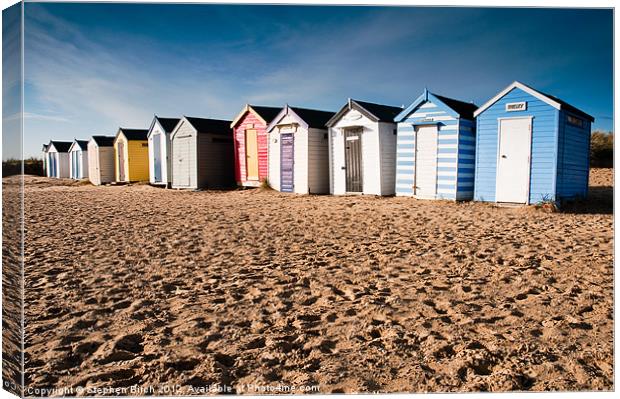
90 68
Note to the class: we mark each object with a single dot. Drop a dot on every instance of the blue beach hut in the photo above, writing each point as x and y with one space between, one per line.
531 147
435 148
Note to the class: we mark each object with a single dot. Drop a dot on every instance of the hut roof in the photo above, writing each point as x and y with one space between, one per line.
213 126
104 141
135 134
168 124
265 113
456 108
314 118
61 146
464 109
385 113
83 144
375 112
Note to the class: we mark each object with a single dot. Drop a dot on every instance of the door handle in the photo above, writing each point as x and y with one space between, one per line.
504 156
343 168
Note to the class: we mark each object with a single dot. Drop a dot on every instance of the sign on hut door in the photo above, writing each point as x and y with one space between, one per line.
353 160
251 154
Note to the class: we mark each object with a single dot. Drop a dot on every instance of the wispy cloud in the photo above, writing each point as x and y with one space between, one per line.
84 85
53 118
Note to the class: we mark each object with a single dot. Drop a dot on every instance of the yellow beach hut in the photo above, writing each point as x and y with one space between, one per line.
131 155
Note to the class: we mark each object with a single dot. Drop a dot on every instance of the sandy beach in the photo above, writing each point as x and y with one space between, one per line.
137 285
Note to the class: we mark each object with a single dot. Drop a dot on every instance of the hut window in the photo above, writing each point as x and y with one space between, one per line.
324 136
394 132
575 121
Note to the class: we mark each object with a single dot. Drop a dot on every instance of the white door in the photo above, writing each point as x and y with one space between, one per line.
181 158
513 162
426 162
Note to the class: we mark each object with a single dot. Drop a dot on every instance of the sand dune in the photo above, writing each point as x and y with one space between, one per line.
135 285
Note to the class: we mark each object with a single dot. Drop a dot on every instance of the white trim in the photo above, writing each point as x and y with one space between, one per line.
449 137
520 86
529 158
72 145
150 132
425 114
284 112
447 174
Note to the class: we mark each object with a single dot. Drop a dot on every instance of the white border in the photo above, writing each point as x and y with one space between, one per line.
478 3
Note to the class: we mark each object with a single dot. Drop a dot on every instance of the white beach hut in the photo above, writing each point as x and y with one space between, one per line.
298 151
202 154
160 167
362 149
78 155
101 160
58 159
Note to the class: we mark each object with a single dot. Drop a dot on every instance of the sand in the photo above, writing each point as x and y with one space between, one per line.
141 286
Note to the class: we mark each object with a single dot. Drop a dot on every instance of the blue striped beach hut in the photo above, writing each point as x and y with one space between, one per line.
435 148
531 147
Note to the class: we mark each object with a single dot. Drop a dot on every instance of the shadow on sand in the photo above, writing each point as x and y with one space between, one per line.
600 201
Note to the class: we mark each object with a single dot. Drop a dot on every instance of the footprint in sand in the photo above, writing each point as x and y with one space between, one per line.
183 364
130 343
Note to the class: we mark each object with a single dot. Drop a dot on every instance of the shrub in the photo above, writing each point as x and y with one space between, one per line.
602 150
32 166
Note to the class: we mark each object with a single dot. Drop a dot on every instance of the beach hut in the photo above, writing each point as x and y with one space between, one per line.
202 154
131 155
435 148
362 149
159 150
101 160
58 159
250 144
531 147
44 150
78 155
298 151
